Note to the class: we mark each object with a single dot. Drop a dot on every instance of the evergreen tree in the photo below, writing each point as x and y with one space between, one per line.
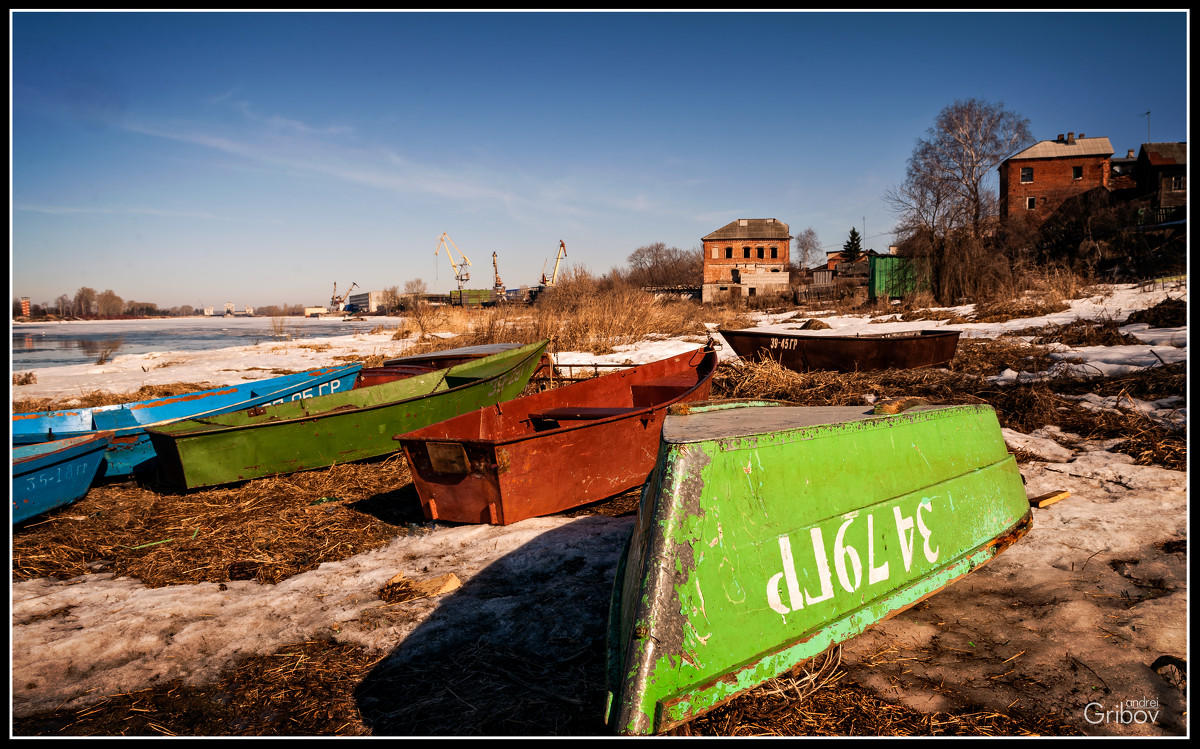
853 246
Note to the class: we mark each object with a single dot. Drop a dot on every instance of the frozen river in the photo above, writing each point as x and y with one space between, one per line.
55 344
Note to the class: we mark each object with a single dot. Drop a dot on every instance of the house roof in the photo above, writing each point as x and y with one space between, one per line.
1056 149
752 228
1165 154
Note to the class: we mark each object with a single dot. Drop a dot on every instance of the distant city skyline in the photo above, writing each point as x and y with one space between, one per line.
200 158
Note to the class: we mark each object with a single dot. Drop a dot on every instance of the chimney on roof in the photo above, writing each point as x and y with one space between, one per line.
1070 139
1130 154
1081 135
1059 138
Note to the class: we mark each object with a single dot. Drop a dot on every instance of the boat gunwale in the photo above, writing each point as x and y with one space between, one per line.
81 445
290 384
637 413
200 427
899 335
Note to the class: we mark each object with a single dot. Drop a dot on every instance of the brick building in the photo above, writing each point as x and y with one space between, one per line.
746 258
1037 180
1161 173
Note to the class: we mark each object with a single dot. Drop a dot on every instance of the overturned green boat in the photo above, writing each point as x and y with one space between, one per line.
768 533
330 429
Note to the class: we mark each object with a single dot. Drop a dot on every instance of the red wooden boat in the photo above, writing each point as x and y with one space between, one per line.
416 364
553 450
846 353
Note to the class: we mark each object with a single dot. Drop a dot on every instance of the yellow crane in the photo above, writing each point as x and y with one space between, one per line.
562 251
460 271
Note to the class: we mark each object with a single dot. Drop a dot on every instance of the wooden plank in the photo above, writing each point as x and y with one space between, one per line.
1049 499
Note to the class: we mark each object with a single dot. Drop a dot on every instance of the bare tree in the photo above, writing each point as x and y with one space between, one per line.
85 300
659 265
391 299
63 305
808 250
108 303
950 172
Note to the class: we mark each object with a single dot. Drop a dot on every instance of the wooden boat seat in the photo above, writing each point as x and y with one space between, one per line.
653 392
117 418
580 413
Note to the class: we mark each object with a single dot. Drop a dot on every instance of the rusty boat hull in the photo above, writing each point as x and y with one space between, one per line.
766 534
553 450
841 353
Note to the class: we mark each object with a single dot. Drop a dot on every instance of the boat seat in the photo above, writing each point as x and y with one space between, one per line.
580 413
652 392
116 418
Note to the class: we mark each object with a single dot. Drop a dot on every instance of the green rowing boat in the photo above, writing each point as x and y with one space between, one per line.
768 533
340 428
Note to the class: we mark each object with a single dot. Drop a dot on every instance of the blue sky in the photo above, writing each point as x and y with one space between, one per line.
259 158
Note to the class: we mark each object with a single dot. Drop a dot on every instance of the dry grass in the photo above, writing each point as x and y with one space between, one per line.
266 530
578 314
271 529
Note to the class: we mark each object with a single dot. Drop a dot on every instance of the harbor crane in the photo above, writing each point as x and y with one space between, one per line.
338 303
497 284
460 271
562 251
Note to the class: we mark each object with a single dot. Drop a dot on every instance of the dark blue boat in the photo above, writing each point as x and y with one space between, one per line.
130 450
52 474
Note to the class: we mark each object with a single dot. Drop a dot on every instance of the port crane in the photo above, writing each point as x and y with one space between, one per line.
337 303
562 252
460 271
497 284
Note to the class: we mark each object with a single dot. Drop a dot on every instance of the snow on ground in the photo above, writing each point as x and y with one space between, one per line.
1070 619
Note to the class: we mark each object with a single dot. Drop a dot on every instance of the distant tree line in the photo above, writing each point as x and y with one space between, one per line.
88 304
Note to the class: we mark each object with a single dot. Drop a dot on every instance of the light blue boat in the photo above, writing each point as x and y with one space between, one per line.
130 450
52 474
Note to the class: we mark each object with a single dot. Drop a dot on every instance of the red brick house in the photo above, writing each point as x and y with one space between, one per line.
748 257
1037 180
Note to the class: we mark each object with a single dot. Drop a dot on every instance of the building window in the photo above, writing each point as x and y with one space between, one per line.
1176 182
745 252
1031 203
1076 172
716 253
774 253
760 253
729 253
1026 174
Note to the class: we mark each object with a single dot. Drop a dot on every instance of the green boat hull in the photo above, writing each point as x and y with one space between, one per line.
332 429
768 533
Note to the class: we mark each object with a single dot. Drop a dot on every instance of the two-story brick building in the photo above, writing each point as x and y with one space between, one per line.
1037 180
746 258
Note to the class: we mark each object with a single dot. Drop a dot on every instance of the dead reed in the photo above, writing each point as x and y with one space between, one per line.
266 530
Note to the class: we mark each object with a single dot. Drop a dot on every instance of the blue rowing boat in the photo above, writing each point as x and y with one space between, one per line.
52 474
130 450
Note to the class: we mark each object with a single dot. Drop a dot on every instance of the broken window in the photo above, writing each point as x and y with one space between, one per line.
1026 174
